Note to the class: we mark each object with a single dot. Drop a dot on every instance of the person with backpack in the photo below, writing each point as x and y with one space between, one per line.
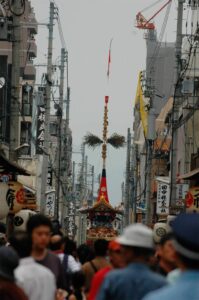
58 246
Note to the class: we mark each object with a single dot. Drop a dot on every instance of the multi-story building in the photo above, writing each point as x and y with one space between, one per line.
187 104
150 144
28 51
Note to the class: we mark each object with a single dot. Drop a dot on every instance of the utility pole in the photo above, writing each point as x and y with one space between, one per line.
47 109
127 183
134 181
66 153
86 174
93 182
149 161
177 100
82 193
15 83
73 177
59 137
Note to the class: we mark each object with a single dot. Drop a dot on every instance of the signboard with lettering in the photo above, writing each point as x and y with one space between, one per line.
181 192
40 129
163 199
71 220
50 177
50 204
3 200
192 199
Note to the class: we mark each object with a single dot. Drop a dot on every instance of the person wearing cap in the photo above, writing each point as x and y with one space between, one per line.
116 260
136 279
186 243
8 263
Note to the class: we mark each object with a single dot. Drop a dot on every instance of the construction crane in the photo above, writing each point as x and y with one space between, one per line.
143 23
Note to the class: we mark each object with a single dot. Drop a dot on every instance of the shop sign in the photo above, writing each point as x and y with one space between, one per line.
50 204
40 129
50 177
71 219
163 199
192 199
181 192
3 203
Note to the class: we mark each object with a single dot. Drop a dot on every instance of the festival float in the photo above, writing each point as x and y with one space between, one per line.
103 220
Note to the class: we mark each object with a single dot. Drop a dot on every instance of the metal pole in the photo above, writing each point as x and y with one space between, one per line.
47 109
82 192
148 183
15 84
127 183
93 182
135 176
177 100
73 177
59 138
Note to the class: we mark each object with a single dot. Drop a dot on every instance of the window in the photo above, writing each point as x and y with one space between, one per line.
27 94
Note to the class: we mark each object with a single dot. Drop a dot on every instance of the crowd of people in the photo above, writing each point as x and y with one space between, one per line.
43 264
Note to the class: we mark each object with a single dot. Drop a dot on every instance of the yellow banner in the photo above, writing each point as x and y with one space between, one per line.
139 102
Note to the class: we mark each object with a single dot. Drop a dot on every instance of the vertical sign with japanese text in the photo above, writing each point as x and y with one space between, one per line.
50 177
71 219
40 129
50 204
181 192
163 198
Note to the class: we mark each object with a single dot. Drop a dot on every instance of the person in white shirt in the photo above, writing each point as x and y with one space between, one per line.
37 281
58 245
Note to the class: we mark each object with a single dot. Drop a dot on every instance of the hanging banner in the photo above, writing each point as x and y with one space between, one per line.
50 177
181 192
50 204
163 199
40 129
192 199
3 201
139 100
71 220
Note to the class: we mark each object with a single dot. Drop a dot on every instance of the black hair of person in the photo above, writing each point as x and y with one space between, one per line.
36 221
101 247
21 243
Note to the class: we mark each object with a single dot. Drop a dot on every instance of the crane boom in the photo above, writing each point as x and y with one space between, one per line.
142 23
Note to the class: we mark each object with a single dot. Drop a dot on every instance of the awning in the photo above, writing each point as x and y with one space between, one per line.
12 167
190 175
29 189
163 179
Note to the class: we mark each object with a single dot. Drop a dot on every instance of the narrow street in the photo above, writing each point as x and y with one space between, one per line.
99 153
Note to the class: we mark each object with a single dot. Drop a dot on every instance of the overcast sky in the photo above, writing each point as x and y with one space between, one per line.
88 26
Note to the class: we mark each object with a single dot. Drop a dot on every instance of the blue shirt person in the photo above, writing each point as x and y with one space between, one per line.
185 288
136 280
131 283
186 244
